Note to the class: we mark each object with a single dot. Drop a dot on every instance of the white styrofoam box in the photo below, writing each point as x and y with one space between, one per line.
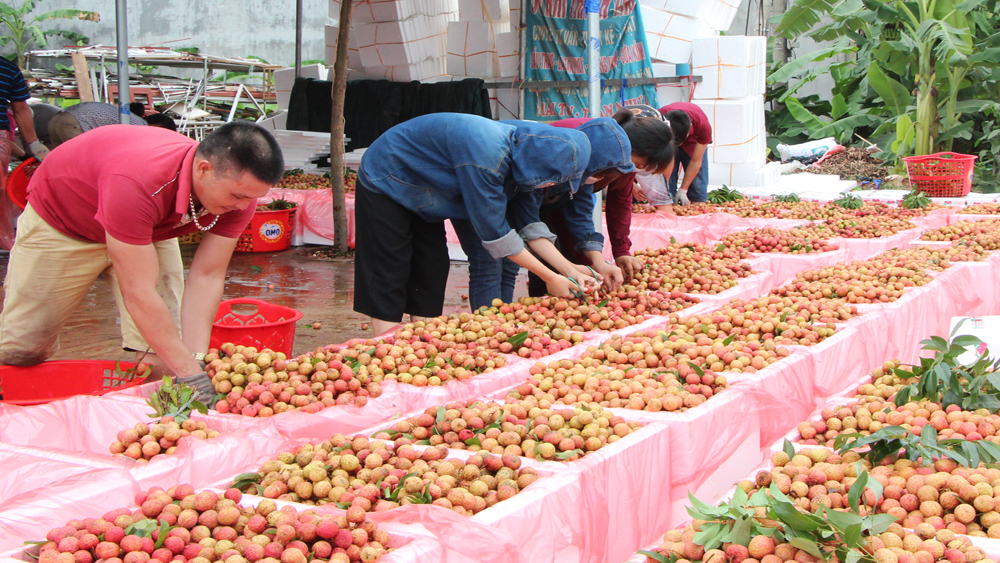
284 79
472 48
736 174
667 94
732 66
403 42
670 36
421 71
495 11
718 14
664 70
353 53
768 175
737 128
508 49
373 11
505 103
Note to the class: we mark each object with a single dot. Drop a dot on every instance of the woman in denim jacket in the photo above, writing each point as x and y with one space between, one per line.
459 167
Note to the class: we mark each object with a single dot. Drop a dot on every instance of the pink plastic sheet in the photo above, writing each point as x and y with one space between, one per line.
30 515
958 217
24 472
83 428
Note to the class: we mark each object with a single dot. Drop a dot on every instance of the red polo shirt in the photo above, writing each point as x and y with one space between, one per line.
133 183
701 128
618 206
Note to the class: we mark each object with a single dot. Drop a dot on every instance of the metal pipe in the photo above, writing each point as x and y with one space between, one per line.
298 38
592 9
121 18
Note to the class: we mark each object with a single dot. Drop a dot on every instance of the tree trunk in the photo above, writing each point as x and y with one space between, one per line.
340 242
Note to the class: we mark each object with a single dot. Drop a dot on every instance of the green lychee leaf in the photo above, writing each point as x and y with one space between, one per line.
439 417
473 441
658 557
789 449
728 340
518 339
697 369
161 535
673 240
603 304
809 547
569 454
740 532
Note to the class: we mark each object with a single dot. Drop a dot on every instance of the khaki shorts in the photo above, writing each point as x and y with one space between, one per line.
49 274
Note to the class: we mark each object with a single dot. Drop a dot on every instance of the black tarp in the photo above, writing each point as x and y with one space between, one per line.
373 106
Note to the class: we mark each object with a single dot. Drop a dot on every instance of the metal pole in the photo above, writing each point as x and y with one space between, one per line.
298 38
592 8
121 17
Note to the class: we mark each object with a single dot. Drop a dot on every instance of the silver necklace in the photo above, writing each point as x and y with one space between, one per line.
194 216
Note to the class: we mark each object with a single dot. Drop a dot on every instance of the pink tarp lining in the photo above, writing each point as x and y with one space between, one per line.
598 509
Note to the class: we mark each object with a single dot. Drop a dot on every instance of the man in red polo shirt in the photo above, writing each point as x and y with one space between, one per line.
108 203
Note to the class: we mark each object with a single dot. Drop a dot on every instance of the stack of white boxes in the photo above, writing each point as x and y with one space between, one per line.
482 43
399 40
732 96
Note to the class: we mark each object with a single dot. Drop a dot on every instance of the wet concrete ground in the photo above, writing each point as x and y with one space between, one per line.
323 290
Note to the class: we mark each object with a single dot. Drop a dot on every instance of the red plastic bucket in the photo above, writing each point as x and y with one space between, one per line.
265 326
17 182
268 231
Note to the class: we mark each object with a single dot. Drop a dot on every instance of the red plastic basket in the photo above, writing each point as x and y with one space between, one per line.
268 231
61 379
944 174
267 326
17 182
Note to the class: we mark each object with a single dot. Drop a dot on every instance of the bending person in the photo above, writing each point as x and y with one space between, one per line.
449 166
110 203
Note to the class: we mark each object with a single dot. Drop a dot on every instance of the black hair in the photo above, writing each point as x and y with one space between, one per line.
137 109
680 122
241 146
160 120
651 138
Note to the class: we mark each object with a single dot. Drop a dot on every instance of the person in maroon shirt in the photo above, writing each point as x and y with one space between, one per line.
109 202
693 132
653 152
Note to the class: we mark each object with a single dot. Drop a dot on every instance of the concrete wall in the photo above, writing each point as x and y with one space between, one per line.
230 28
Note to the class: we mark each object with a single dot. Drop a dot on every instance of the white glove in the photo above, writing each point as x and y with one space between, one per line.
682 198
38 149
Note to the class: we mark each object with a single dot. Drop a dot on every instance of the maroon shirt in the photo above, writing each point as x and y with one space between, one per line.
133 183
618 206
701 128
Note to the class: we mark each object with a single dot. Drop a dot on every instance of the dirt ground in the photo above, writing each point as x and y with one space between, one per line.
323 290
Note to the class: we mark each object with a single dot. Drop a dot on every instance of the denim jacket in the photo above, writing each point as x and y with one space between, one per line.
610 148
460 166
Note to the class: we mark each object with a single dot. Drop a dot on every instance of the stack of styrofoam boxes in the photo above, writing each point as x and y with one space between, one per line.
299 148
354 65
284 79
400 40
732 95
667 93
481 43
669 36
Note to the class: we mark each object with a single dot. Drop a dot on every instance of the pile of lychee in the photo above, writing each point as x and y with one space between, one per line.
678 349
869 281
207 527
896 545
942 495
520 428
359 474
691 268
981 209
963 229
266 383
791 241
414 361
772 320
865 226
591 382
490 329
145 441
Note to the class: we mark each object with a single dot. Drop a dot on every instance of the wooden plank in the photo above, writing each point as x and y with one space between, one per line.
81 70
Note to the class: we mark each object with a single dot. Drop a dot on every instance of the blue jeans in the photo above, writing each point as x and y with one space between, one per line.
698 190
489 278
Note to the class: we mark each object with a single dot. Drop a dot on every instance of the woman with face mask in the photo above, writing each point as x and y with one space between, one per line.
460 167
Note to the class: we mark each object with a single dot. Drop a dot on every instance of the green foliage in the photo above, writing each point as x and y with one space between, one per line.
724 194
176 400
912 75
281 204
790 198
891 442
946 379
849 201
915 200
24 30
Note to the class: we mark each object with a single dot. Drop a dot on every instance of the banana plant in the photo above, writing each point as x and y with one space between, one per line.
25 30
910 73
